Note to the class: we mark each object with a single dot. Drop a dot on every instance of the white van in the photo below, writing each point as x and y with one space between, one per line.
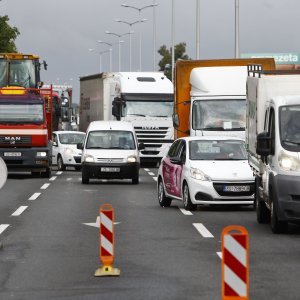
110 151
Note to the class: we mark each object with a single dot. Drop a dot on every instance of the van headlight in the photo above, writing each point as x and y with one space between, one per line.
288 162
131 159
199 175
88 158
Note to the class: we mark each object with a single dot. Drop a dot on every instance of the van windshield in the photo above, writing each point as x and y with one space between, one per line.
110 139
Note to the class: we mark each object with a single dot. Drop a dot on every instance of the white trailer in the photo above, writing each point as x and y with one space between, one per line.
143 98
273 143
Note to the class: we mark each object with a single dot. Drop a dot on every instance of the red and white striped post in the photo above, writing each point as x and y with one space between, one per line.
107 242
235 263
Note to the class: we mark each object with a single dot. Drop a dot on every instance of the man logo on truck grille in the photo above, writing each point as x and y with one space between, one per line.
150 127
12 139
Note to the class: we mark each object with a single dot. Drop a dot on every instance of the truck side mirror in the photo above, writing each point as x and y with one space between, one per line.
80 146
263 144
175 121
117 108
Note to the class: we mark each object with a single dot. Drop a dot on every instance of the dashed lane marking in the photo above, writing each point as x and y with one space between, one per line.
3 227
59 173
151 173
147 170
34 196
154 178
203 230
20 210
219 254
69 179
45 186
185 212
53 178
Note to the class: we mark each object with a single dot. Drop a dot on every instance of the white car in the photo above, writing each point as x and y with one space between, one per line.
64 149
206 170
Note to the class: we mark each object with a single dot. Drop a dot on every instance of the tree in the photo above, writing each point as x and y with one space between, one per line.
8 35
165 64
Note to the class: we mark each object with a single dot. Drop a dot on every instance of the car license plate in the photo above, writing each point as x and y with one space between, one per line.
12 154
236 188
110 169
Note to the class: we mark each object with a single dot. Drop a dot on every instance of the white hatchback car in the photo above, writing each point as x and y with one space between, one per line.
206 170
64 149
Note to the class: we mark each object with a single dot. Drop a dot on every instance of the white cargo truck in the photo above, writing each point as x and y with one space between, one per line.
143 98
273 144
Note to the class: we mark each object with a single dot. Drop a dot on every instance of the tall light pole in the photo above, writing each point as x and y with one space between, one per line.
100 57
237 29
110 53
139 9
198 29
173 40
130 24
154 35
119 37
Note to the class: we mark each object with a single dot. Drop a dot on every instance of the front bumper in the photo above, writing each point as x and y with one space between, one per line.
126 170
72 160
17 159
208 192
287 197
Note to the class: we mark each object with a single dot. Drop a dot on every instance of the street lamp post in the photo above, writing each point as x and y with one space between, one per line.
198 29
173 41
130 24
119 37
110 53
139 9
237 29
100 57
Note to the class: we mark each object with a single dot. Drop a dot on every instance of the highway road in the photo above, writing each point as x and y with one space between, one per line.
51 248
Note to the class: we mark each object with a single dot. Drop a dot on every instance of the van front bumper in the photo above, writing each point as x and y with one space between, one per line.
111 171
287 197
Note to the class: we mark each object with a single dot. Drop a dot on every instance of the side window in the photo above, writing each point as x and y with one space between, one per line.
54 138
173 149
183 151
271 129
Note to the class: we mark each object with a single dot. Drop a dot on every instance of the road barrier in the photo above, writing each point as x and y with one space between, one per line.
235 263
107 242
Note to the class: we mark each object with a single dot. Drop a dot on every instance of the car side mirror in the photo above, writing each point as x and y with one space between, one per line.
80 146
263 144
54 144
141 146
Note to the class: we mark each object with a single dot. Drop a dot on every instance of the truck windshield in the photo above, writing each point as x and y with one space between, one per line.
21 113
148 108
21 73
289 117
219 114
110 139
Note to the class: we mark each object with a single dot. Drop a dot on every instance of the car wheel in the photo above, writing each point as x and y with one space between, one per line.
85 177
187 203
276 225
60 164
135 179
163 200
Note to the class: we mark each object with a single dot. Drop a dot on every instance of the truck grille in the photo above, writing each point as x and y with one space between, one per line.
153 137
9 141
110 160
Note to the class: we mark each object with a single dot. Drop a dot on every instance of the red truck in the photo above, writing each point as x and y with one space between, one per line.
27 115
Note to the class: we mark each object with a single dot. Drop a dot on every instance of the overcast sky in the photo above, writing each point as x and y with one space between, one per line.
62 31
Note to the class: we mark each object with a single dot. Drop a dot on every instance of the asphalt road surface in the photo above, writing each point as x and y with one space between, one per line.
51 243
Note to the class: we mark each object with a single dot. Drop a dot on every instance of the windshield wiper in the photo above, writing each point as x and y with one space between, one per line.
140 115
291 142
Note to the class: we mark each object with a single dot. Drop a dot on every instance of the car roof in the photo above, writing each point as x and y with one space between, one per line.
211 138
110 125
70 131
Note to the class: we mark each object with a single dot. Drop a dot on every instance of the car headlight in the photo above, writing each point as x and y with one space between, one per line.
288 162
131 159
41 154
69 151
199 175
89 158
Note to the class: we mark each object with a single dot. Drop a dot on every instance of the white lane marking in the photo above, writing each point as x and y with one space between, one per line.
59 173
203 230
79 178
147 170
3 227
34 196
155 178
45 186
151 173
53 178
19 211
219 254
69 179
186 212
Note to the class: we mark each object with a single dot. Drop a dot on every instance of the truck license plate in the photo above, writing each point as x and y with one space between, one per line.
236 188
110 169
10 154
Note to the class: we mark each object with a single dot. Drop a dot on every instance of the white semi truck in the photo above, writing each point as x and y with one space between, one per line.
273 143
143 98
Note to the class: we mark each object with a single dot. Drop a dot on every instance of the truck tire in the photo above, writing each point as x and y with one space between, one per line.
262 212
60 163
163 200
187 203
47 173
276 225
135 179
85 177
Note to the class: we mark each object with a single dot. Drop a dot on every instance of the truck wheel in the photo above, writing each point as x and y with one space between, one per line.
135 179
47 173
60 164
187 203
84 177
163 200
262 212
276 225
